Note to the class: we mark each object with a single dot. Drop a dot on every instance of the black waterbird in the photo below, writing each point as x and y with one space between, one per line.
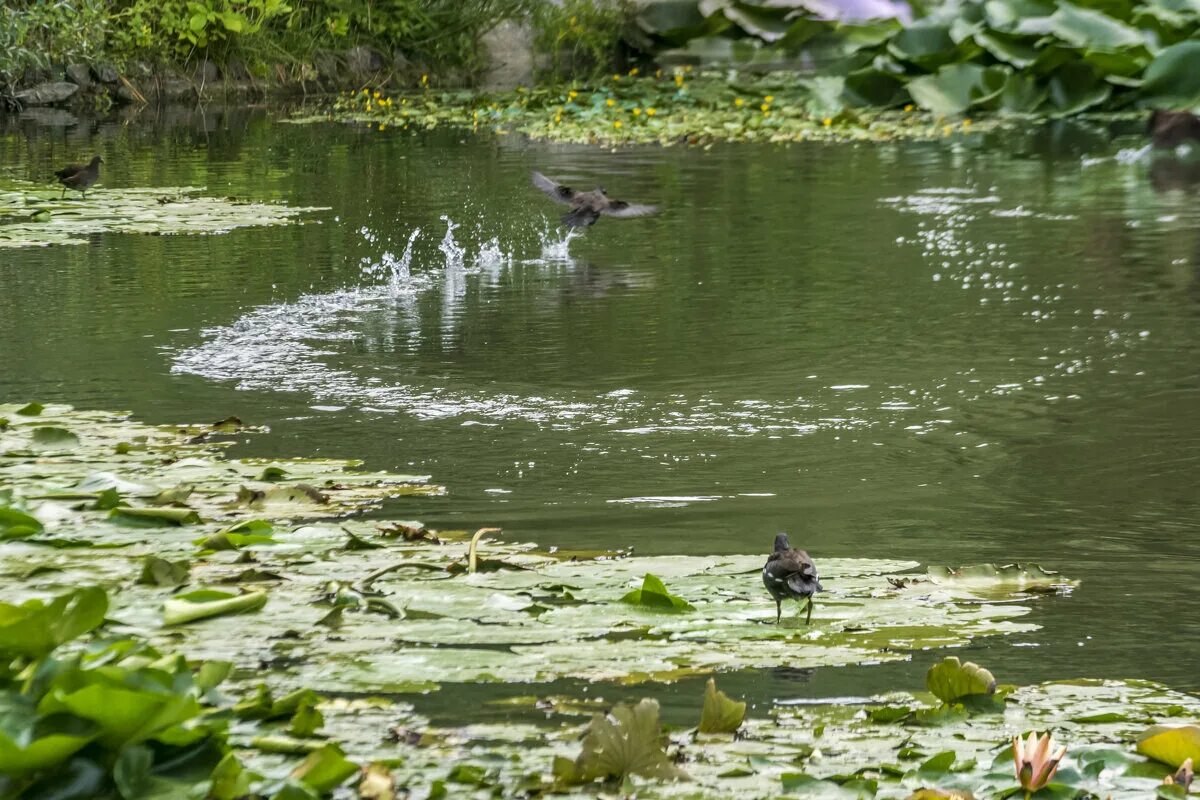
790 573
1173 128
80 177
587 207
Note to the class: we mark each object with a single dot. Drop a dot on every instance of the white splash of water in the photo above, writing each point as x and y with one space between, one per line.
401 271
491 255
556 247
451 249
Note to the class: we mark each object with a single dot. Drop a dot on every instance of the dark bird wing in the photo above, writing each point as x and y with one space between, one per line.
69 171
621 209
563 194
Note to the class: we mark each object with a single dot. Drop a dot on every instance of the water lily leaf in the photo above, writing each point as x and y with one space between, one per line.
1087 29
326 769
1022 94
230 780
951 680
36 627
177 496
1013 50
923 44
298 494
205 603
31 410
29 743
16 524
628 741
654 595
872 87
131 773
124 715
758 21
154 517
306 721
957 87
161 572
808 786
377 783
49 437
272 473
231 539
1170 745
1010 577
939 764
720 714
1173 77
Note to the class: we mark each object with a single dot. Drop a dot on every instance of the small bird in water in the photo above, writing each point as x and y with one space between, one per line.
80 177
1173 128
587 207
790 573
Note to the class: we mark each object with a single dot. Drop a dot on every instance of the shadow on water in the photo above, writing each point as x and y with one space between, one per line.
982 350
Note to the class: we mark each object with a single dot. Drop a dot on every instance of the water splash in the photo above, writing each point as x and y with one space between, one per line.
556 247
451 249
491 255
401 271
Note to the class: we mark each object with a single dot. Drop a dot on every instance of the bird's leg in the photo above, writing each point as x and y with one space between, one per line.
778 610
63 196
808 619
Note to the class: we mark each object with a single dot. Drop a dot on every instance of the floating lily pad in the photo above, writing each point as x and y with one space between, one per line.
167 210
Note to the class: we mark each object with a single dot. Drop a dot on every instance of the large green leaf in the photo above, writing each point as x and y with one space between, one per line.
326 769
1173 77
654 595
16 524
34 628
29 743
957 87
123 714
1088 29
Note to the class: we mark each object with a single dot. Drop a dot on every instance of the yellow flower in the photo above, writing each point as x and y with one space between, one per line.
739 102
558 119
633 72
617 124
425 79
658 73
637 112
764 108
383 127
616 77
947 129
827 121
376 94
766 111
908 107
769 98
679 80
688 68
967 122
571 95
610 102
650 112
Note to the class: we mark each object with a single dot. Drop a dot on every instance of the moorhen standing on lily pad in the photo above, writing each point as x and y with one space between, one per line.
80 177
790 573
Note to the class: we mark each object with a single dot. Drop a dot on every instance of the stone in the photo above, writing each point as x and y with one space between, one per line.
80 75
509 50
106 73
47 94
363 61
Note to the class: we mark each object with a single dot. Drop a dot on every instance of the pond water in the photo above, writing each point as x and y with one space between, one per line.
980 349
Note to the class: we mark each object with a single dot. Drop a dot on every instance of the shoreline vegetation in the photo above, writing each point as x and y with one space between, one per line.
182 624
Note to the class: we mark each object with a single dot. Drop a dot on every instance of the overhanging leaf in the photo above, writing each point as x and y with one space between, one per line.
628 741
720 714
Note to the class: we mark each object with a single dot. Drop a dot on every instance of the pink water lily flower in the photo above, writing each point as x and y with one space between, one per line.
1036 760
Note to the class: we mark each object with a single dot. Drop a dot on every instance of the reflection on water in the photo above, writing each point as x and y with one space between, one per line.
979 351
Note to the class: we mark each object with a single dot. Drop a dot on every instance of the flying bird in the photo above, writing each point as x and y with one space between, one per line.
80 177
587 207
790 573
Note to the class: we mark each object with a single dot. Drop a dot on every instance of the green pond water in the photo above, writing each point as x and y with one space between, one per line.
980 349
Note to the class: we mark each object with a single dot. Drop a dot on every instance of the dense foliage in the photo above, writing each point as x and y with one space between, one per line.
1015 56
37 34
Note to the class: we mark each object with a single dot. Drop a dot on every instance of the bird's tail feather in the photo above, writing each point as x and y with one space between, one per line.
579 218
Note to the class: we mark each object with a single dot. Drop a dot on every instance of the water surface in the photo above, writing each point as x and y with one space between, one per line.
982 349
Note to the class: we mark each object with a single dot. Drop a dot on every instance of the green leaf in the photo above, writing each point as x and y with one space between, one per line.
1012 50
939 764
161 572
1073 89
124 715
153 517
205 603
1170 745
326 769
956 87
1010 577
35 628
16 524
230 780
654 595
628 741
31 744
1173 77
132 771
31 410
720 714
951 680
306 721
53 438
1022 94
1092 30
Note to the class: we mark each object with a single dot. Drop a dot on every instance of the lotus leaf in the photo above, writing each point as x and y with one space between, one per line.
16 524
1173 77
654 595
34 628
325 769
162 572
627 741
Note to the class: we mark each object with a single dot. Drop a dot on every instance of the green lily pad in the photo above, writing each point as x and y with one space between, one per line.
16 524
204 603
1173 77
720 714
626 742
1170 745
654 595
952 680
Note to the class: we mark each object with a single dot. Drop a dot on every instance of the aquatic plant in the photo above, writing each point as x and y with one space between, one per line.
1036 759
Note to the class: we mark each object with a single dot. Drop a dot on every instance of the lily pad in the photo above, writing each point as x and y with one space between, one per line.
205 603
951 680
654 595
720 714
627 741
1171 745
